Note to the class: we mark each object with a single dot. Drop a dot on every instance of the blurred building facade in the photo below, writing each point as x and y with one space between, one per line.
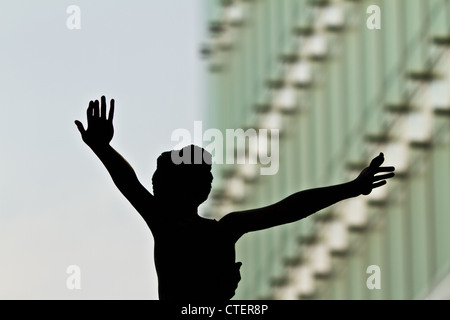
341 89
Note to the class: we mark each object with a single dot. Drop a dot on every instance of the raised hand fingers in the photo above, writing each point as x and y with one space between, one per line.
80 127
103 108
96 109
111 110
90 110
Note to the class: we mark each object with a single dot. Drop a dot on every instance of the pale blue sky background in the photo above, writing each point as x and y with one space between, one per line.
58 205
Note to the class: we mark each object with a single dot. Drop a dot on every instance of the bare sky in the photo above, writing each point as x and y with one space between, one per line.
58 205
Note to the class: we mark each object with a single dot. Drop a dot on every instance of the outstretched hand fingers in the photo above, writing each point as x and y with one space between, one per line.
384 169
383 176
377 161
379 184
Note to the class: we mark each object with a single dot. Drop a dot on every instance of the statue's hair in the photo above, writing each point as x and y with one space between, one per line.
192 177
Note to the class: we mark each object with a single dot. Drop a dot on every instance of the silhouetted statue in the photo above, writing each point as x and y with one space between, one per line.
195 256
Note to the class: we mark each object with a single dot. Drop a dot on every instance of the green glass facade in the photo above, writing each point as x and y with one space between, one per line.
340 90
